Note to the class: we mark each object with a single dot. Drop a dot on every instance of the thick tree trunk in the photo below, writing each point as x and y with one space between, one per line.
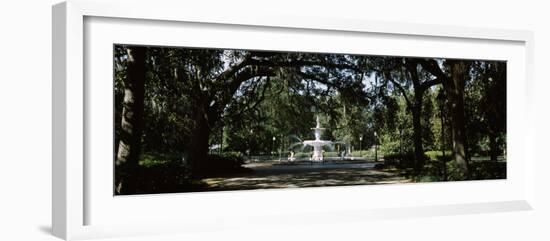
454 88
416 108
496 113
198 146
129 146
417 133
493 145
442 144
459 134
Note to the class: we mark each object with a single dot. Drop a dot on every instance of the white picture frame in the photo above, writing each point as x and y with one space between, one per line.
72 192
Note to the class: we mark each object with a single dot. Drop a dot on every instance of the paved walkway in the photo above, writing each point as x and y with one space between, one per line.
305 175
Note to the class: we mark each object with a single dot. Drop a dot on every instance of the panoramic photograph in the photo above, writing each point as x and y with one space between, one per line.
205 119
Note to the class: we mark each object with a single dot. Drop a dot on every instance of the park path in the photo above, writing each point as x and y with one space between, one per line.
305 175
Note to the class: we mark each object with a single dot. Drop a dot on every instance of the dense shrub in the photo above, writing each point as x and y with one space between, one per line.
160 159
307 155
232 154
156 170
357 153
156 174
302 155
227 163
397 160
478 170
436 155
429 178
330 154
487 170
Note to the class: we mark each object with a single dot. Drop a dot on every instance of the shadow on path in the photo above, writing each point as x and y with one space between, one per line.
315 175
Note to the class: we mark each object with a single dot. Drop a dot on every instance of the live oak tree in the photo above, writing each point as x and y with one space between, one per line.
453 78
495 103
405 74
213 87
486 102
129 146
216 77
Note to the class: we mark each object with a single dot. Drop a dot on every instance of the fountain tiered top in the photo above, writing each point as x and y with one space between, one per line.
317 144
317 130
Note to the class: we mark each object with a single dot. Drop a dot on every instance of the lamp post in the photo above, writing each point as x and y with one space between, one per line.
361 146
249 143
273 146
375 146
280 149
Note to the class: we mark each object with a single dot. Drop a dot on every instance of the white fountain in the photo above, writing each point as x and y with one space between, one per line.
317 144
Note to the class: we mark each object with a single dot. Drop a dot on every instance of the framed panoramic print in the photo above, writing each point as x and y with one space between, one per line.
196 119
